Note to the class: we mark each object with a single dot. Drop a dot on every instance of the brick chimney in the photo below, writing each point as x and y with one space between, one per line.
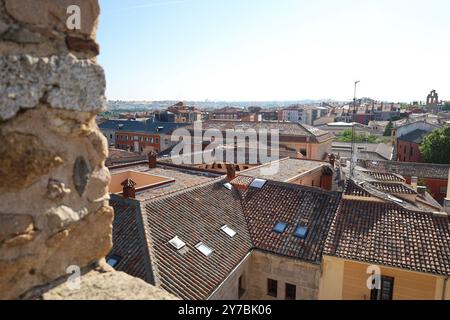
414 183
152 159
447 198
231 172
129 190
421 190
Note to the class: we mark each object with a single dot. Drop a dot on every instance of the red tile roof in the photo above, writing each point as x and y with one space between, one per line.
387 234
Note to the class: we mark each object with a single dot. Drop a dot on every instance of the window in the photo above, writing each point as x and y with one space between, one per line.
241 286
272 288
146 139
113 260
156 140
301 232
228 231
280 227
411 151
110 136
303 151
203 248
151 140
291 291
177 243
386 289
228 186
258 183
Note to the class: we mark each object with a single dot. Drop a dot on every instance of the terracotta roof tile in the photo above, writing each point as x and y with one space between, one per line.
390 235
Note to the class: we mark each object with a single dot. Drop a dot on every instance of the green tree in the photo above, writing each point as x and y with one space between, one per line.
388 130
435 147
446 106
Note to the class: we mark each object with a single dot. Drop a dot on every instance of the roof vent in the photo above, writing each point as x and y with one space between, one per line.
258 183
177 243
203 248
228 231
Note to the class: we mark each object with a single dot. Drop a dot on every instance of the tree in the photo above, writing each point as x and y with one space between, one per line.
346 136
388 130
435 147
446 106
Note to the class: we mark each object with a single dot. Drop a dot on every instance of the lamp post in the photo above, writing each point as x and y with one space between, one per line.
353 155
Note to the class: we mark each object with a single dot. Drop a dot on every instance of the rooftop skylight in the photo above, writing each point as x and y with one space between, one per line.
280 227
258 183
228 186
203 248
228 231
113 260
177 243
395 199
301 232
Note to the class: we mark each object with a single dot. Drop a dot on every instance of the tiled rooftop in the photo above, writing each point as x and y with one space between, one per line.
397 188
409 169
288 169
183 179
129 244
352 189
415 136
285 128
295 205
196 216
390 235
383 176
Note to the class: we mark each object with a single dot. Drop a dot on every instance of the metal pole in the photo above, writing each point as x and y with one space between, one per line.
353 153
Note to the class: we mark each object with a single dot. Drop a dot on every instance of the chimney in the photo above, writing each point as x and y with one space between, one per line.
421 190
129 190
231 172
332 159
414 183
152 159
447 198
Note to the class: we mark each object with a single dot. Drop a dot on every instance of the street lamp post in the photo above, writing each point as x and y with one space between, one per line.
353 154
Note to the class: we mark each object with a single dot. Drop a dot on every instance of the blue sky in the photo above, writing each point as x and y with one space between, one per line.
255 50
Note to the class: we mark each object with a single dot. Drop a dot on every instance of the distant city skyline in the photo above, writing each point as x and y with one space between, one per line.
267 50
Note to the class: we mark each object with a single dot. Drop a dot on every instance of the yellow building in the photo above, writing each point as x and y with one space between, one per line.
407 250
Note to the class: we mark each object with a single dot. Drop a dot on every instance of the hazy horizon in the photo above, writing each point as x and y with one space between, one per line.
265 50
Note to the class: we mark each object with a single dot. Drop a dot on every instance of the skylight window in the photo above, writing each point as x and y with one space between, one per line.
395 199
177 243
113 260
228 231
228 186
203 248
280 227
258 183
301 232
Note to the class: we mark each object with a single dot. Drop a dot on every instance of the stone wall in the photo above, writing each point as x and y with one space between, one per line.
263 266
54 209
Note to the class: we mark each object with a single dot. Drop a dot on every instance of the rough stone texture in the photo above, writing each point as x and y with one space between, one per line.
51 14
61 81
54 211
108 286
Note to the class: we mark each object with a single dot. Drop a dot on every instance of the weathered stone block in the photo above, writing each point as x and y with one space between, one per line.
52 14
24 159
63 82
